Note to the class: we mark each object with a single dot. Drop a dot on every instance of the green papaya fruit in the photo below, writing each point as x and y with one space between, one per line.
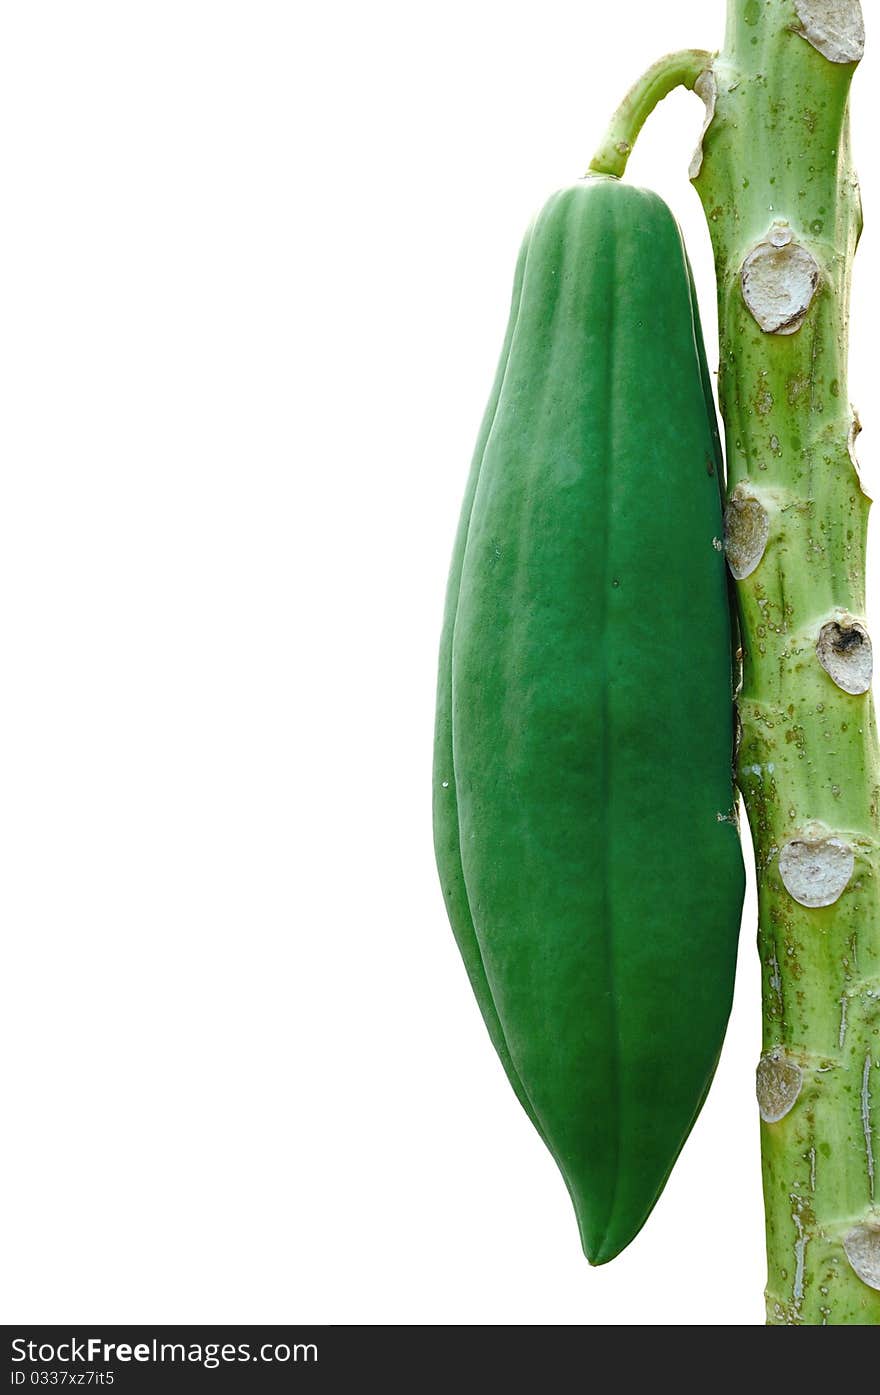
583 800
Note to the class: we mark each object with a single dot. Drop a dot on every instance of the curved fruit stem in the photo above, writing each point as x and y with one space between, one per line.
680 69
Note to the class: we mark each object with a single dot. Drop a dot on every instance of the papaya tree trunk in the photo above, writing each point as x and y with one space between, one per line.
776 180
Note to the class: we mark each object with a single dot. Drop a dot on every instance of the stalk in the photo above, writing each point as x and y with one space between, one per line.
778 188
682 69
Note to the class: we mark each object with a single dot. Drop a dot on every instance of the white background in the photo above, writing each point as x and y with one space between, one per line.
255 264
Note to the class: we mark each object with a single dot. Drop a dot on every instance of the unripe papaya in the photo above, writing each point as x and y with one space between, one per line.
583 800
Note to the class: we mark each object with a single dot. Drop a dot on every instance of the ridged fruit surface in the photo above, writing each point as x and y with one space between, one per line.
583 801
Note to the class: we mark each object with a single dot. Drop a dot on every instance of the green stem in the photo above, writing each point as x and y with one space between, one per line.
675 70
781 198
778 188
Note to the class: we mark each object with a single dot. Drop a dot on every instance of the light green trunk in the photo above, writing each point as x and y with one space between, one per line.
782 203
